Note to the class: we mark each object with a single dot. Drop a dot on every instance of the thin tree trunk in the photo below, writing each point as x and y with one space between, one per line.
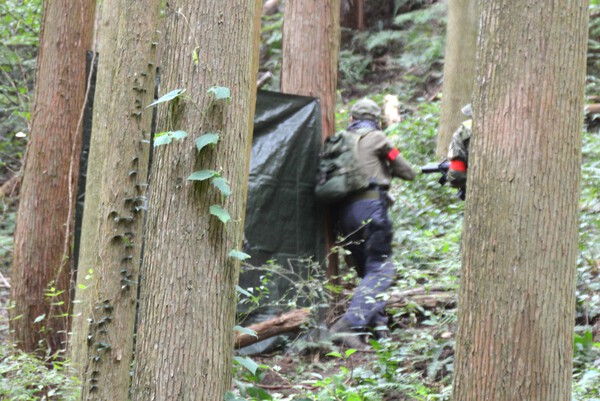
44 230
459 68
517 294
102 341
188 296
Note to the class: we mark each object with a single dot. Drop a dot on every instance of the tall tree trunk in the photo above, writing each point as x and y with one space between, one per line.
102 341
459 68
43 235
188 298
353 14
517 295
311 44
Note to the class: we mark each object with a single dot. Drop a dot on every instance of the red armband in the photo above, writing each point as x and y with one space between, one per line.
392 154
458 165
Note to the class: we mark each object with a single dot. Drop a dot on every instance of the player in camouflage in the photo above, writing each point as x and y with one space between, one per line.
458 152
364 222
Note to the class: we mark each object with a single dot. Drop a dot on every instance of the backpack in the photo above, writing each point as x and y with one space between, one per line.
339 173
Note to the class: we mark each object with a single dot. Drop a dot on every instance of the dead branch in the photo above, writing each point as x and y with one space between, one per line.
11 186
288 322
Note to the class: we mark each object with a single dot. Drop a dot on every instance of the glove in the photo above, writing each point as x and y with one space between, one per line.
457 174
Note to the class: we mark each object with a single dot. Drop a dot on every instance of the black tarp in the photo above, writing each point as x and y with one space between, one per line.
283 221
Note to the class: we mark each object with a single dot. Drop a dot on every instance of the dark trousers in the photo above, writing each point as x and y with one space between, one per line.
367 230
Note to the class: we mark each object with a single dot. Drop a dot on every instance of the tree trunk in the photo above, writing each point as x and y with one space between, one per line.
459 68
353 14
103 327
517 294
311 42
43 235
188 289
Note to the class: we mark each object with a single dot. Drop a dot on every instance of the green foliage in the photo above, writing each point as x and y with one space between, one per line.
220 93
352 67
424 40
19 37
164 138
220 213
24 377
168 97
210 138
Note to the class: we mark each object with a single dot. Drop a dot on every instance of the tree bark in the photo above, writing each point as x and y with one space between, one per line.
44 228
184 343
517 294
353 14
103 327
459 68
311 42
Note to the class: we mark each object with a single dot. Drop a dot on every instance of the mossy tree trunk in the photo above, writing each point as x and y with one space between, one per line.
41 268
103 327
517 294
184 344
459 68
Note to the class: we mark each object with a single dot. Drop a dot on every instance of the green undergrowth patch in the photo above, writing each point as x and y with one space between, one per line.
26 378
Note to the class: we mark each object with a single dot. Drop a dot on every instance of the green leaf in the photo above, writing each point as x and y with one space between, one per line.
210 138
336 354
239 255
39 318
240 289
169 96
222 184
202 175
179 134
248 363
245 330
350 352
220 92
195 55
162 139
221 213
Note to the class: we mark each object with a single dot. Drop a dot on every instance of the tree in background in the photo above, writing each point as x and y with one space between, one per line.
197 200
459 68
311 45
353 14
43 235
103 325
517 294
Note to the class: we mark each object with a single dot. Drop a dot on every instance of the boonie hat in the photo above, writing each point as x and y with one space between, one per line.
365 109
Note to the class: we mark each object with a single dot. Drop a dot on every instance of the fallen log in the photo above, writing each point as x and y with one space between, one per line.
425 297
289 322
292 321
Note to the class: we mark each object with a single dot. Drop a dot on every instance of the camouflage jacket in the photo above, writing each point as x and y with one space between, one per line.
459 146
